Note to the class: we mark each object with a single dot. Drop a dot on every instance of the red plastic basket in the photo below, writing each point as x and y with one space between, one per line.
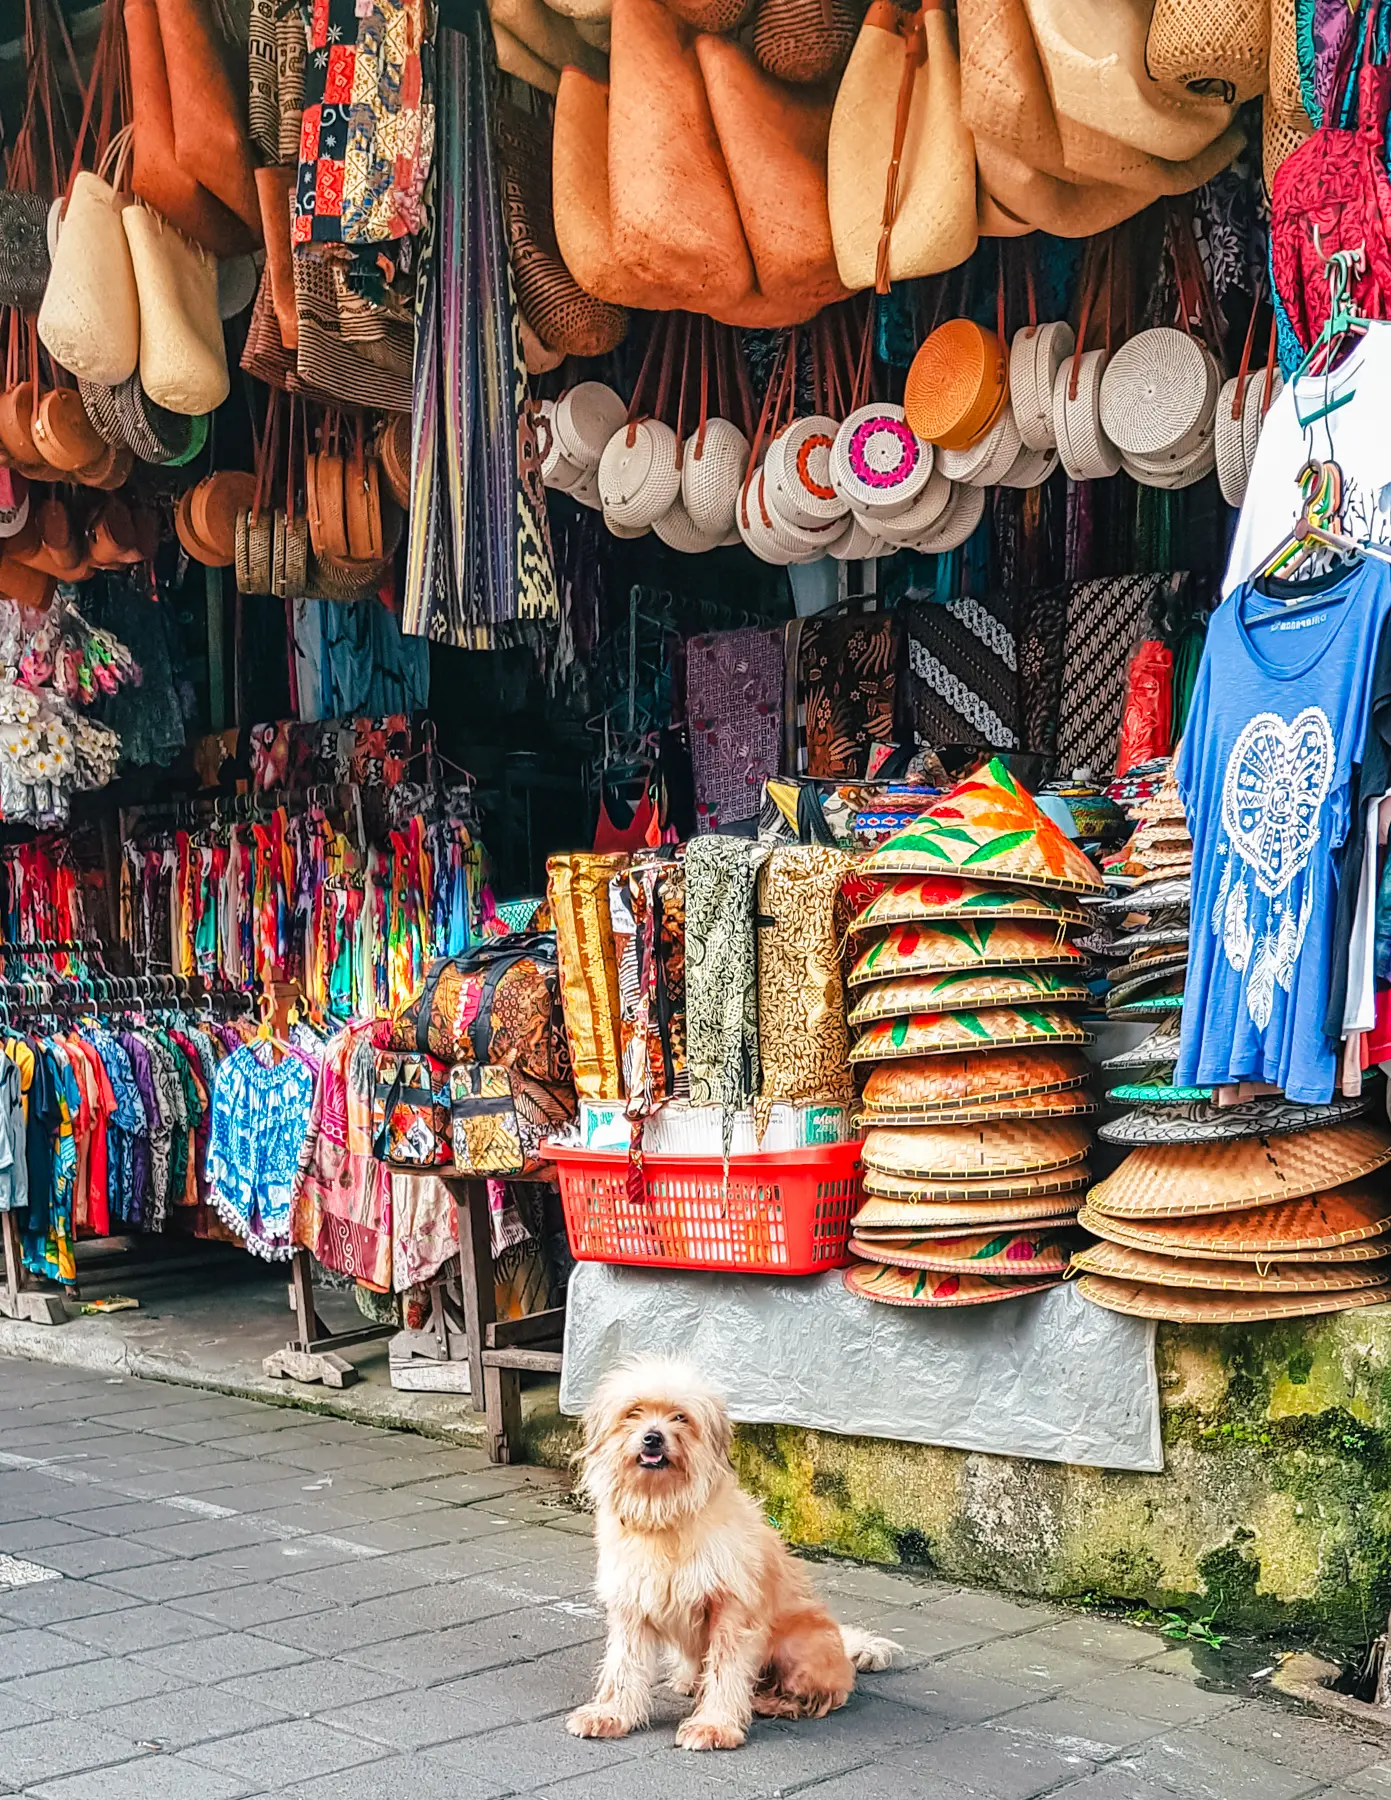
784 1213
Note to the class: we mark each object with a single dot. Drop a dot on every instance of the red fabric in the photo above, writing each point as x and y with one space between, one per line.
1333 193
1148 721
1376 1044
608 839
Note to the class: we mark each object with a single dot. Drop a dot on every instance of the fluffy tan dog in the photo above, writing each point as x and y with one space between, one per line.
688 1566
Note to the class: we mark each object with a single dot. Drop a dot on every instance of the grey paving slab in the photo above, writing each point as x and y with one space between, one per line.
14 1711
135 1628
517 1758
201 1537
1167 1698
316 1686
242 1608
490 1643
682 1777
1090 1731
1104 1640
1313 1746
922 1634
410 1777
1374 1779
29 1651
981 1760
85 1687
1194 1763
1031 1661
219 1658
286 1753
185 1716
949 1696
172 1579
148 1778
29 1756
394 1616
98 1555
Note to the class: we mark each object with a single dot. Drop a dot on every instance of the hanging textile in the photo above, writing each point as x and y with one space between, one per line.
721 973
479 550
963 673
1105 619
734 690
803 1044
847 686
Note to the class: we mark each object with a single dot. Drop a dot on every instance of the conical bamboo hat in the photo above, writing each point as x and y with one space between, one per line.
1007 1147
987 1190
926 1287
1120 1262
1179 1180
951 944
990 829
1028 1253
1070 1103
1200 1122
1185 1306
931 1034
1343 1224
981 1075
914 897
965 991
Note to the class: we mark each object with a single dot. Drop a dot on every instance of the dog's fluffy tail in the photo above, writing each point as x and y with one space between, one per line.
867 1651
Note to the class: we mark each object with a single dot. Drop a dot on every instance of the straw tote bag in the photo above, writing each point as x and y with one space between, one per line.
1069 209
549 35
1004 95
774 142
901 165
210 138
275 188
1093 55
515 59
580 197
156 175
1210 47
1091 156
183 361
674 217
90 317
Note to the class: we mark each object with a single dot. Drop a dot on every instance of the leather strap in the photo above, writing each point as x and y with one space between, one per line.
914 53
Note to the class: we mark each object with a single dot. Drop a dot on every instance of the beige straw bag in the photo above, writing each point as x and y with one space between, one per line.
1093 54
901 93
90 317
183 361
1213 47
1091 156
547 34
1004 95
1070 209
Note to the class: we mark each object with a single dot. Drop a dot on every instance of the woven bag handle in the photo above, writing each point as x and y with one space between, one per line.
111 81
1087 289
914 54
1195 294
772 398
1030 287
1268 390
681 395
864 365
704 387
660 336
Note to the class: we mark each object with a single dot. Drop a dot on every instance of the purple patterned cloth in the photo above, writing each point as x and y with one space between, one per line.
734 705
1323 26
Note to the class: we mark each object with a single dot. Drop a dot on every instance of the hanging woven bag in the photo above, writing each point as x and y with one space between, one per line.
210 133
805 40
183 361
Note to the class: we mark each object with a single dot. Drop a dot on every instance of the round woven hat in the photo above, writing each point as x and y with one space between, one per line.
1141 1003
586 416
971 1152
1164 931
1122 1263
1028 1253
712 472
1148 897
1199 1122
962 991
1175 1181
927 1287
1152 972
1182 1306
1158 391
1086 452
798 471
1347 1224
639 474
1072 1103
949 944
910 897
877 461
988 828
963 1080
931 1034
960 1190
957 384
1158 1050
1156 1090
893 1212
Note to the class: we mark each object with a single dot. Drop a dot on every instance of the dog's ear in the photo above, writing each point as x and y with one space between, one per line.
715 1425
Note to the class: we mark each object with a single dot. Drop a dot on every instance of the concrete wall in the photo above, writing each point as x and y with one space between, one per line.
1275 1502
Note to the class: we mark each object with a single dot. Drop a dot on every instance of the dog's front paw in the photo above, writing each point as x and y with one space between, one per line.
707 1734
596 1722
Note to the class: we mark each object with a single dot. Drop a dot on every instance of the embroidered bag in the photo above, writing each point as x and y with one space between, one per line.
1333 193
410 1111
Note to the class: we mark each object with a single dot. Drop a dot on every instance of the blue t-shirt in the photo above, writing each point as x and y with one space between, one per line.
1277 722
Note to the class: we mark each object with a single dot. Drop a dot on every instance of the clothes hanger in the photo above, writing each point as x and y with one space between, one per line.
1343 321
1321 483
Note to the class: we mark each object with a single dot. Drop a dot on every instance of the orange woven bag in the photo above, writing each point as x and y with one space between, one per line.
210 138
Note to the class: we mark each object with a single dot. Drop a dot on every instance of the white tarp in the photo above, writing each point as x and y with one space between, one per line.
1052 1377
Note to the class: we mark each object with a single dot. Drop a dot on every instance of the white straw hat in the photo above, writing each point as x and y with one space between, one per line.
711 475
925 514
877 460
639 476
1157 391
1036 355
1084 448
586 417
799 471
676 530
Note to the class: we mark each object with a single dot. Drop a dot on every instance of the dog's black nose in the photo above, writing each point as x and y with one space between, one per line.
653 1442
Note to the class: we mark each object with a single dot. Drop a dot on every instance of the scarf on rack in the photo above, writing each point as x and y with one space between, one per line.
479 550
802 1038
721 973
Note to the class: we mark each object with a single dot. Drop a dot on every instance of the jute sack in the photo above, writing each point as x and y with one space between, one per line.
674 217
90 317
929 218
774 137
183 362
1211 47
1093 55
580 195
1004 95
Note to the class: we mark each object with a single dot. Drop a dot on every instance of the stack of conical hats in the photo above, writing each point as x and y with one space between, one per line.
975 1103
1253 1210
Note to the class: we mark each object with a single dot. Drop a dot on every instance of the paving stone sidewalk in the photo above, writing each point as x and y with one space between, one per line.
203 1598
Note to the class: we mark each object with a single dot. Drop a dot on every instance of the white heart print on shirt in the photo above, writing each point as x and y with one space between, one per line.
1277 780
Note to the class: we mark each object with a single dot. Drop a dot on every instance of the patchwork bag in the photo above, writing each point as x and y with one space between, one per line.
497 1004
410 1111
501 1117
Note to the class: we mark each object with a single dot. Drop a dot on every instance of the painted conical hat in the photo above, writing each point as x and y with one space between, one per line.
965 991
932 1034
1185 1306
1200 1122
1071 1103
1159 1050
1174 1181
1123 1263
1168 931
1148 1006
932 1217
1071 1180
952 944
983 1075
1346 1224
928 1152
927 1287
1154 1089
990 829
1148 897
909 897
1010 1252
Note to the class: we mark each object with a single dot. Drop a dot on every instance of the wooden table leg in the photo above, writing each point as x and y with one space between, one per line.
476 1270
